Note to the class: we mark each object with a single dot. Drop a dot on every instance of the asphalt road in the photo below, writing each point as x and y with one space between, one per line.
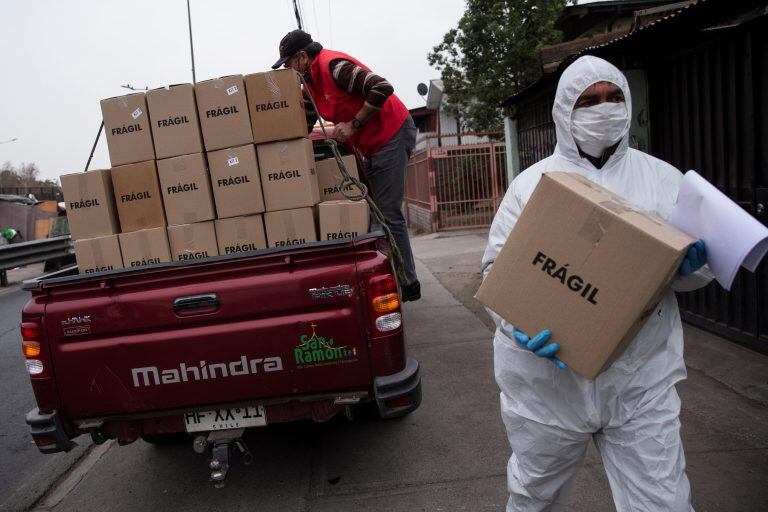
448 455
25 473
20 457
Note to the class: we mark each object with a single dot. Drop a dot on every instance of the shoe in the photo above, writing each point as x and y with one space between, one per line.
412 291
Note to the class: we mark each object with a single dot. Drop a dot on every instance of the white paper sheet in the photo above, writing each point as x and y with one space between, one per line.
732 237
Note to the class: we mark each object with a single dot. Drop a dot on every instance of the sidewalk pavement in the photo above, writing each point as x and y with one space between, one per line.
724 400
17 275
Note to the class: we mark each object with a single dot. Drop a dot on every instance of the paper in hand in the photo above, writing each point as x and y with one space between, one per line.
732 237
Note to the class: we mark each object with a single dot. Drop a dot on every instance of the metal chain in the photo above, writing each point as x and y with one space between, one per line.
348 180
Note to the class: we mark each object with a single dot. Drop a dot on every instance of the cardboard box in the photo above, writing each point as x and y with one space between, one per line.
186 189
585 264
288 177
290 227
90 204
127 126
276 105
223 110
98 254
240 234
145 247
236 182
137 196
329 178
343 219
193 241
175 127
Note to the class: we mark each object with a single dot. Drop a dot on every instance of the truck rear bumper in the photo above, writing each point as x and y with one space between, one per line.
48 432
400 393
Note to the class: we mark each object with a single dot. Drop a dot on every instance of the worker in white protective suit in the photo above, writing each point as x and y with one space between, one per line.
631 410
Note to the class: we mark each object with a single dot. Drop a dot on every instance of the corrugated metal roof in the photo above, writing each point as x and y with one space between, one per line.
643 29
663 19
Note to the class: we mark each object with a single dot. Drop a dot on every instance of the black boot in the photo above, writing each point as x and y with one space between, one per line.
412 291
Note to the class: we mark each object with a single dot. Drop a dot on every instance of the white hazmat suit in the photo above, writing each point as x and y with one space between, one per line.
631 410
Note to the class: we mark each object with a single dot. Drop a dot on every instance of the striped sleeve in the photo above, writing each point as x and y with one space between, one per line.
356 80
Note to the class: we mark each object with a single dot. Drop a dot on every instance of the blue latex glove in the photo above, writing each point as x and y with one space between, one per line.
694 260
536 345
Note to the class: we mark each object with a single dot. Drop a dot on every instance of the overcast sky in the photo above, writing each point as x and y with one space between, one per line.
59 58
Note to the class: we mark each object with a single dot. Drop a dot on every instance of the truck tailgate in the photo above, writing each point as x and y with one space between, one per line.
211 332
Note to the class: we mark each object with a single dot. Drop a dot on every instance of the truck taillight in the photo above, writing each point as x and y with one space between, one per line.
30 348
33 354
384 303
29 331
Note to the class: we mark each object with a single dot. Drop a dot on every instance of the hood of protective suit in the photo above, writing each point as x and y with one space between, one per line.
576 78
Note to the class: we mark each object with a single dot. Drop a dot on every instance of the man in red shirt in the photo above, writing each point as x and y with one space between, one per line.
366 115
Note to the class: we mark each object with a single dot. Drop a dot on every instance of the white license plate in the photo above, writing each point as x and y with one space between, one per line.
222 419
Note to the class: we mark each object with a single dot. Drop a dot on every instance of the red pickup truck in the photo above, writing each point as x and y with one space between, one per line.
213 346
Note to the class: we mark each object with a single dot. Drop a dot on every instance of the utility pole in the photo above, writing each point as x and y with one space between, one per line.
191 47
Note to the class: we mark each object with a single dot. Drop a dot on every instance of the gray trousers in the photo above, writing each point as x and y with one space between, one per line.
385 172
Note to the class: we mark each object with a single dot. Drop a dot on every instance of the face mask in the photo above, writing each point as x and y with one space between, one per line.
305 74
599 127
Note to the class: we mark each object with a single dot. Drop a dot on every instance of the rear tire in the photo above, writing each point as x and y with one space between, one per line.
168 439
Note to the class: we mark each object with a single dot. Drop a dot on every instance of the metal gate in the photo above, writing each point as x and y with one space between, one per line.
710 113
455 187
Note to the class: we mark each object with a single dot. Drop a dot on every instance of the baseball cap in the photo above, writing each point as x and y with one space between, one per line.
293 42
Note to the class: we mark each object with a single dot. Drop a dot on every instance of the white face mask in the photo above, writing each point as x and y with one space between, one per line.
599 127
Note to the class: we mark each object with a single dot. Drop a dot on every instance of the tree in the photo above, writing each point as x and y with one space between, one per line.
493 53
8 176
28 173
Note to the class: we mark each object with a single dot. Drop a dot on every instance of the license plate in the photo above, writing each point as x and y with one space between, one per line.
222 419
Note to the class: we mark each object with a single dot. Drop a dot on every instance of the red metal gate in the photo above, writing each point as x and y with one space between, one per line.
455 187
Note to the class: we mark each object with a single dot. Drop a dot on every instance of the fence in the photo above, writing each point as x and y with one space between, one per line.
40 193
455 187
709 112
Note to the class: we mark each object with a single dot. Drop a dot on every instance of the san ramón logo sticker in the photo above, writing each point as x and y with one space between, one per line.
315 351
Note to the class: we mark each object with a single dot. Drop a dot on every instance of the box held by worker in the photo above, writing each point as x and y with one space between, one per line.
343 219
186 189
193 241
587 265
127 127
145 247
98 254
329 178
235 181
223 110
240 234
137 196
290 227
175 126
276 105
90 204
288 177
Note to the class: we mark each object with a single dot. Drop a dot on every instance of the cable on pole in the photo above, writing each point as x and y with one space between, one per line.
363 195
298 15
98 135
191 47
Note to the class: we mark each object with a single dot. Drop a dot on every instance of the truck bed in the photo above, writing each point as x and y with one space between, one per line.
272 323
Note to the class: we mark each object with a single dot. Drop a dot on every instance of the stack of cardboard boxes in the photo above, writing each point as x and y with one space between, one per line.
220 167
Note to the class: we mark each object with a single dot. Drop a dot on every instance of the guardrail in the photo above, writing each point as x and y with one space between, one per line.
25 253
